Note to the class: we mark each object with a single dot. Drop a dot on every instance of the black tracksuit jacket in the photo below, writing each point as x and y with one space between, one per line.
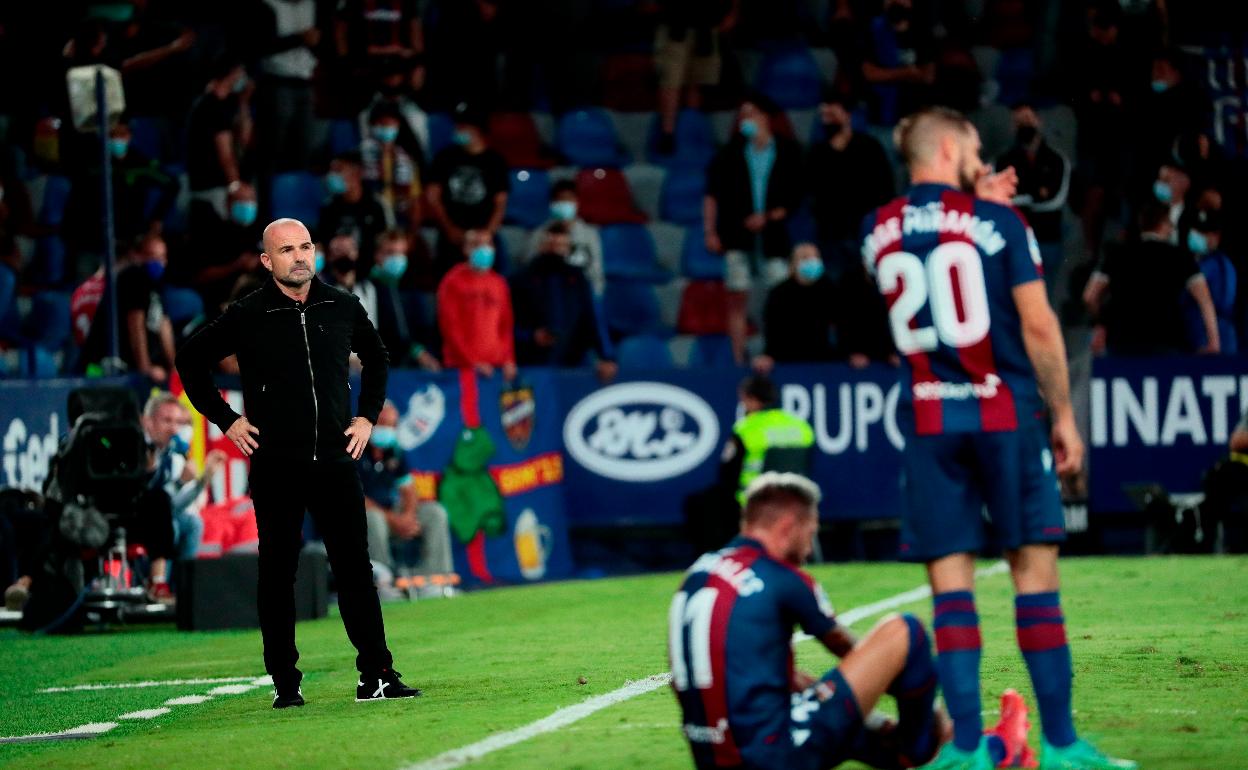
294 361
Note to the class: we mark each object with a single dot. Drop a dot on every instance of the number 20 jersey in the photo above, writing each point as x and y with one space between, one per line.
947 263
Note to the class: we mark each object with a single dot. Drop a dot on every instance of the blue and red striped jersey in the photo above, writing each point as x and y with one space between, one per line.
947 263
730 649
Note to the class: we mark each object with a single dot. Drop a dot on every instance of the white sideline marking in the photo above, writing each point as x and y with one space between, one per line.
81 731
188 700
161 683
232 689
146 713
567 715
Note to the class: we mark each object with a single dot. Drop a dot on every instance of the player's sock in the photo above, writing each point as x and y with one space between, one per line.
915 691
1042 639
957 661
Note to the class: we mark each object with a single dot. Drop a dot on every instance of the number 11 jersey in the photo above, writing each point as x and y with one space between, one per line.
947 263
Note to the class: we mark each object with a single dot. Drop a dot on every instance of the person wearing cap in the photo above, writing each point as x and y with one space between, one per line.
468 188
1204 241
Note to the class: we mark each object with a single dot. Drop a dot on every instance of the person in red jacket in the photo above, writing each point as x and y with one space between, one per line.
474 312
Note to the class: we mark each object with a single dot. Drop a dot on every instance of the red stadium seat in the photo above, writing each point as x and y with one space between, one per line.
703 308
515 135
606 199
629 83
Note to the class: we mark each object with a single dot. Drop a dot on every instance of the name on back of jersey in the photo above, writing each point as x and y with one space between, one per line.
742 578
932 218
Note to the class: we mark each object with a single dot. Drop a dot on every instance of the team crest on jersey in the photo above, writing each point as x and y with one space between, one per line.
518 409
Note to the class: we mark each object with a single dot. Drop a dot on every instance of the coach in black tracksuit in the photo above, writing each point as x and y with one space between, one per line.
293 338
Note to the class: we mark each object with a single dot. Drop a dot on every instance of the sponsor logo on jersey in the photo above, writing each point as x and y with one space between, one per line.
641 431
704 734
957 391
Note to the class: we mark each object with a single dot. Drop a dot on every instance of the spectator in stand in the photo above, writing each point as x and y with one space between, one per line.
586 241
556 321
801 314
137 179
467 189
351 208
218 130
1146 280
85 300
399 88
753 185
390 173
1043 187
1170 188
849 176
145 335
399 320
407 534
1174 108
343 257
464 54
474 312
228 250
1204 241
687 54
900 63
287 36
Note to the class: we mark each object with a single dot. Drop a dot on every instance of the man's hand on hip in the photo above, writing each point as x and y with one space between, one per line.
241 434
358 431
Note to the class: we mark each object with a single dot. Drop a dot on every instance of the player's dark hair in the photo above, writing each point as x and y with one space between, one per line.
761 388
772 494
561 187
1152 215
351 157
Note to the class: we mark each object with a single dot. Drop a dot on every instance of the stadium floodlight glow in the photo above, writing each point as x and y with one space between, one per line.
82 96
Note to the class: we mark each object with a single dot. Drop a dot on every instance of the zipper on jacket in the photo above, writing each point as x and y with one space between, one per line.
316 412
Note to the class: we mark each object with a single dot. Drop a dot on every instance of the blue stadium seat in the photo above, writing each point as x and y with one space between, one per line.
181 304
344 136
48 267
47 323
588 138
145 137
441 129
528 203
1015 71
695 261
695 140
802 225
51 210
628 251
9 320
680 199
631 307
792 78
37 363
711 351
298 194
643 351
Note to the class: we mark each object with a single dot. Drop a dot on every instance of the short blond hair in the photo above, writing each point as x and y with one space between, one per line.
918 134
771 494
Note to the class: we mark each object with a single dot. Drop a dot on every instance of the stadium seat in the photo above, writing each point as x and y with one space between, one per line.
643 351
646 182
605 198
38 363
695 140
668 239
791 77
528 203
695 261
711 351
680 199
50 209
633 129
669 294
47 323
514 240
631 307
1014 73
48 268
145 137
680 346
8 302
703 308
802 225
182 305
628 252
441 130
515 136
629 83
298 194
344 136
588 138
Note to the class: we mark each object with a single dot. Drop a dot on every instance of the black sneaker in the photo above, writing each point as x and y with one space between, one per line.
383 686
284 698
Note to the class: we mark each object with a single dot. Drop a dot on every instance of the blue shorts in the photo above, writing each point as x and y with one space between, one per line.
949 480
827 722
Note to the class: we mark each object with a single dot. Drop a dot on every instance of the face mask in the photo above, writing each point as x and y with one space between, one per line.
564 211
1026 135
244 212
462 138
319 264
240 85
342 265
833 127
1197 243
393 266
386 134
385 437
155 270
118 147
482 258
335 183
1160 86
749 128
810 269
181 441
1162 191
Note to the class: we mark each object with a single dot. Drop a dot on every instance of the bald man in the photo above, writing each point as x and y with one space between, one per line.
293 338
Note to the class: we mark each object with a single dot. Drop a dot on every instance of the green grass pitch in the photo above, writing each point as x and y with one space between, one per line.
1160 647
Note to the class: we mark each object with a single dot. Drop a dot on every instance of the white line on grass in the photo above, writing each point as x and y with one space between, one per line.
161 683
567 715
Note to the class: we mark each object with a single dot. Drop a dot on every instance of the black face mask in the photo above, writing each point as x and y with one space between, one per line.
1026 135
343 265
834 127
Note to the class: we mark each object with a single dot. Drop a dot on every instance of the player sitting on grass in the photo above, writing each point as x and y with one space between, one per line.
745 705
